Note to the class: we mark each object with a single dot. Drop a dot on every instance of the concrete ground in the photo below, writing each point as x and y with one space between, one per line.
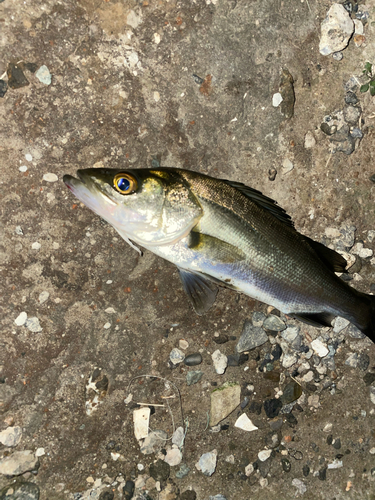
190 85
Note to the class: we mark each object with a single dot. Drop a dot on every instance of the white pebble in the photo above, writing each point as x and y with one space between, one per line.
243 422
23 168
140 467
156 38
249 469
33 325
173 457
319 348
289 360
156 96
43 75
264 455
36 245
107 325
327 428
220 362
110 310
29 157
40 452
43 297
277 99
50 177
115 456
287 166
336 464
141 419
340 324
309 140
183 344
19 231
21 319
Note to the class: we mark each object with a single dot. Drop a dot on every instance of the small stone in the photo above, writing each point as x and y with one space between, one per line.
207 463
300 485
290 334
352 114
43 297
274 323
340 324
272 172
319 348
160 470
309 376
372 394
291 392
272 407
354 332
251 337
221 339
243 422
176 356
178 437
306 470
287 166
36 246
286 465
28 157
21 319
224 400
193 359
43 75
154 442
289 360
363 361
369 378
313 401
237 359
33 325
40 452
183 344
220 362
141 419
173 457
264 455
337 56
16 77
309 140
50 177
277 99
337 444
328 129
20 491
18 463
258 317
336 30
183 471
193 377
11 436
249 469
3 88
356 133
128 490
286 88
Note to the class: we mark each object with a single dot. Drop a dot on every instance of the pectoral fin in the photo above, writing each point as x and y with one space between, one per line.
201 292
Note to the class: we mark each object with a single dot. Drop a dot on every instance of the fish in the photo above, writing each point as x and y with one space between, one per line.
222 233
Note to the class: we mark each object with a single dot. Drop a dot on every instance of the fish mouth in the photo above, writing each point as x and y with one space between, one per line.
72 182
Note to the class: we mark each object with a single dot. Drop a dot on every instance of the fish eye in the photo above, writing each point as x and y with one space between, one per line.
125 183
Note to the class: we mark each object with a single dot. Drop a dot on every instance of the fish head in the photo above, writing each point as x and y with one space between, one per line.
150 207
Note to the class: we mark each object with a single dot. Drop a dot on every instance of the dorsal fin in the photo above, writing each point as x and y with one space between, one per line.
333 260
263 201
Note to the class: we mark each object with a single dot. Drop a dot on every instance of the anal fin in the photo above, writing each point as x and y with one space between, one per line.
201 292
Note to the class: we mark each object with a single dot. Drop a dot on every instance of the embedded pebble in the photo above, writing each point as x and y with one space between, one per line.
249 469
354 332
352 114
43 75
264 455
352 360
220 362
308 377
340 324
289 360
259 317
20 491
182 472
183 344
43 297
33 325
23 168
362 252
290 333
176 356
309 140
287 166
28 157
274 323
193 377
336 464
50 177
11 436
178 437
251 337
300 485
36 245
207 463
272 407
243 422
372 394
18 462
277 99
21 319
193 359
224 400
141 420
319 348
173 457
40 452
336 30
291 392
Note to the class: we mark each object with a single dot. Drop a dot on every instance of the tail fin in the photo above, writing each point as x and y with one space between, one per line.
364 319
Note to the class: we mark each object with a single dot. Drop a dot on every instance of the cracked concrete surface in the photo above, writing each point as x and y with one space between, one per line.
182 84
